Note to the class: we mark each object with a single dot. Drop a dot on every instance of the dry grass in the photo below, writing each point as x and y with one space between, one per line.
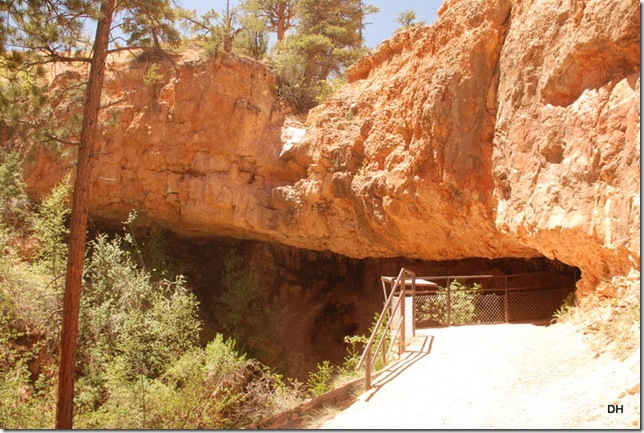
611 325
315 419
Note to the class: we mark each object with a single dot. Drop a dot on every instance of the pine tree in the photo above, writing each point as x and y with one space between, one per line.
78 220
252 41
218 30
327 40
43 31
407 19
329 34
279 15
149 24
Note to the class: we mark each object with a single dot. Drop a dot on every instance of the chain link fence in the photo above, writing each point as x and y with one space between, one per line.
486 299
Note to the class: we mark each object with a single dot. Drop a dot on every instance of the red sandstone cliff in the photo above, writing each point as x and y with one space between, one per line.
507 128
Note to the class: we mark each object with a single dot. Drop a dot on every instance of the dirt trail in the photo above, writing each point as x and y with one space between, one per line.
498 376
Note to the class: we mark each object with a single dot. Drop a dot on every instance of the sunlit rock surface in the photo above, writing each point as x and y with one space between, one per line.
505 129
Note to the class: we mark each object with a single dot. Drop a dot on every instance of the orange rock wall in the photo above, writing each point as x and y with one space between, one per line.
505 129
566 148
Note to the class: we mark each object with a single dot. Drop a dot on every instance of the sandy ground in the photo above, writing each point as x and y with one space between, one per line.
498 376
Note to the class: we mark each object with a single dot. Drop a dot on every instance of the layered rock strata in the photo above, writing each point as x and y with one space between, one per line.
505 129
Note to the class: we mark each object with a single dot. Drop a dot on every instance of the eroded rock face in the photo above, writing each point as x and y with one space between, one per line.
402 157
566 148
506 129
195 151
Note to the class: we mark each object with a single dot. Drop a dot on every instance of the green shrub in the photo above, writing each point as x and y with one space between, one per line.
241 299
354 347
50 230
139 363
383 333
321 380
140 354
244 313
25 403
215 388
433 309
463 308
129 320
35 290
566 307
289 67
15 207
327 88
152 75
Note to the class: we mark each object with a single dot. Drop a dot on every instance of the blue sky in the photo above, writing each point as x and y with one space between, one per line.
383 23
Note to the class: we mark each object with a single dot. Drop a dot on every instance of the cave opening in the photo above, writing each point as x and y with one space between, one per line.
291 308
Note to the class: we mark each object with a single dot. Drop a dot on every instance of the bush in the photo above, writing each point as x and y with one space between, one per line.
241 299
15 207
50 231
25 403
289 67
327 88
320 381
244 313
215 388
140 353
35 290
130 320
354 347
566 307
26 400
462 302
433 309
139 363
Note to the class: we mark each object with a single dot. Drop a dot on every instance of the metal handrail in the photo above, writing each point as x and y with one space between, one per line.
376 327
389 306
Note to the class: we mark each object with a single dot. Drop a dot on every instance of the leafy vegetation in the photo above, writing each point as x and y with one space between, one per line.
407 20
433 310
140 363
315 41
462 302
320 380
139 325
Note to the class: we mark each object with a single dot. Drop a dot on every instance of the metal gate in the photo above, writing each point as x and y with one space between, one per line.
479 299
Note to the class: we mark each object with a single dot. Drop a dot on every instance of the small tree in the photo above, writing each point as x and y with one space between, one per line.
149 24
407 19
44 31
219 30
252 41
327 40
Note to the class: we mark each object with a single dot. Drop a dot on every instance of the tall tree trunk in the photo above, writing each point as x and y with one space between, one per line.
281 21
78 221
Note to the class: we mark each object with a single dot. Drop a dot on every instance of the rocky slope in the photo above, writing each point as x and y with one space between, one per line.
505 129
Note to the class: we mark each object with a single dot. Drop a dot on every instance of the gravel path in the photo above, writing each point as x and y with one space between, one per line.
498 376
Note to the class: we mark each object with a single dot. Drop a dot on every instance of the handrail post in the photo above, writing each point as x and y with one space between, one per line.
449 303
403 294
367 374
403 286
506 301
413 305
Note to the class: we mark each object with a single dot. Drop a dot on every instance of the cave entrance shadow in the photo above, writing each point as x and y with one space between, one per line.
419 347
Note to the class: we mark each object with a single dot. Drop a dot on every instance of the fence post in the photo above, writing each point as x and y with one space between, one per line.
505 300
413 305
449 303
367 369
403 286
